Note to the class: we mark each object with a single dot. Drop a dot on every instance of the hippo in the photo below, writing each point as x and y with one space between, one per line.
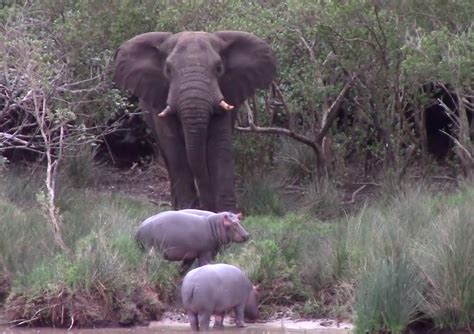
216 289
181 236
198 212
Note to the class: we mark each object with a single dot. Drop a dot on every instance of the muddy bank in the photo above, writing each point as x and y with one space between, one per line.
63 308
179 321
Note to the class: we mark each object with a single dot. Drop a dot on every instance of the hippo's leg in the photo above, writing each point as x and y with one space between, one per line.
187 263
193 320
204 319
219 320
204 258
239 315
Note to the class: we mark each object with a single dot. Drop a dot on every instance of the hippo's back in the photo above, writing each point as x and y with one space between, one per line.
197 212
172 228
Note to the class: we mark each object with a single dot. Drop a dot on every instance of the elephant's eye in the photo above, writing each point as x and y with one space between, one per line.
219 69
167 70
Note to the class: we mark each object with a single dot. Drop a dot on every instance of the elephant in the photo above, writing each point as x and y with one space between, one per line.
190 85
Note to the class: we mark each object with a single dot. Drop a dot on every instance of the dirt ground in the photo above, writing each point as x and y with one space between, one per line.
148 182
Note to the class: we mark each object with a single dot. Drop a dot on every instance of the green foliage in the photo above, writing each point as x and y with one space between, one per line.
259 196
392 48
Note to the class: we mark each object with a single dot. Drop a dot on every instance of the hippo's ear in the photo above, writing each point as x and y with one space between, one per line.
240 216
226 221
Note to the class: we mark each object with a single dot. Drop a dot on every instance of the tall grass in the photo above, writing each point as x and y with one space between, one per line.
104 281
321 198
259 196
411 257
447 263
387 296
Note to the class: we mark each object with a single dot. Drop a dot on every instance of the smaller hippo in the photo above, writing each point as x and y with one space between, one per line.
216 289
181 236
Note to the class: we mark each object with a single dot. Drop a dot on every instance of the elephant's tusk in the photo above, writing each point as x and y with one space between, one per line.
167 111
226 106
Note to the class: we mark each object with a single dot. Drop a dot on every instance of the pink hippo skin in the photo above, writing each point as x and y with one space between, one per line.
181 236
216 289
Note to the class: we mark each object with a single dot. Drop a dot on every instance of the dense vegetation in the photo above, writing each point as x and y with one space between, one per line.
381 93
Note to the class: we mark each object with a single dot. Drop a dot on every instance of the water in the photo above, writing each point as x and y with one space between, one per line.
252 329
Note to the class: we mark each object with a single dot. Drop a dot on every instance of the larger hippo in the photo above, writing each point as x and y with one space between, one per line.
181 236
198 212
216 289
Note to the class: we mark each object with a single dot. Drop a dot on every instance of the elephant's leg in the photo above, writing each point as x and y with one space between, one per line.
185 266
220 159
171 144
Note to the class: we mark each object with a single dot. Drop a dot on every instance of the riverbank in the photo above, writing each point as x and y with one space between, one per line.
180 321
405 259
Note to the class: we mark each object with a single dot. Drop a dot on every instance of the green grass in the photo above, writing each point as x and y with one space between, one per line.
447 263
259 196
387 296
384 266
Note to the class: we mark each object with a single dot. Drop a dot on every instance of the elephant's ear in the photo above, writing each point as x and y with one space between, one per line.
249 64
139 68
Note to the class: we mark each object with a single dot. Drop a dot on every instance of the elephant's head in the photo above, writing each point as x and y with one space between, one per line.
194 75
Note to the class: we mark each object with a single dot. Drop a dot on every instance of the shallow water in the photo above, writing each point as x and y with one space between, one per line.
253 329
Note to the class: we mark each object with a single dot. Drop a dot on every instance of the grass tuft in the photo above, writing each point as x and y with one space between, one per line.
260 197
387 297
447 263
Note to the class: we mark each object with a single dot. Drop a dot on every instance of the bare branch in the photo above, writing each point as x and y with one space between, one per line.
334 110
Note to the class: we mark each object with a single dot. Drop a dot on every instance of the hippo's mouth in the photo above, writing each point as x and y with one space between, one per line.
239 238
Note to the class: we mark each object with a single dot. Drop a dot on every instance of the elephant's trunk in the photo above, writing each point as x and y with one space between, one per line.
194 115
194 95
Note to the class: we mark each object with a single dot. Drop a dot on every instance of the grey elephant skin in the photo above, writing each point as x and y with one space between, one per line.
189 86
181 236
217 289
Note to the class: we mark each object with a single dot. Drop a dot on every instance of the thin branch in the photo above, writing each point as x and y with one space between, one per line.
334 110
276 130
